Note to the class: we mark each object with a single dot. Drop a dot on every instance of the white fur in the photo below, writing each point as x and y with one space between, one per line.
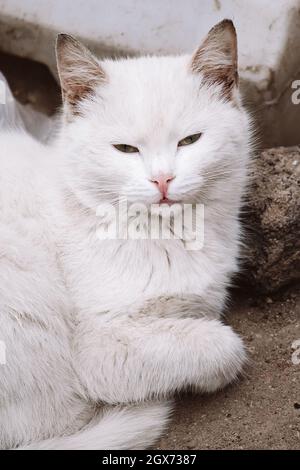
117 321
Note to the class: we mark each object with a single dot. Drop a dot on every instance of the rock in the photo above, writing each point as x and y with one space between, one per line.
272 217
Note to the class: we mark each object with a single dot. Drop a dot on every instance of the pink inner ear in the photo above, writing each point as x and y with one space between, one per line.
216 58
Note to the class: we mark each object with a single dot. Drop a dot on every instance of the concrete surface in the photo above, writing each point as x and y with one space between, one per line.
171 26
31 83
268 32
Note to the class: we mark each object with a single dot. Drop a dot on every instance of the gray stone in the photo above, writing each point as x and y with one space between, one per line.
272 220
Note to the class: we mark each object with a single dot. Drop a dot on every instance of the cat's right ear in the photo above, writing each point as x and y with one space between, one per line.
79 71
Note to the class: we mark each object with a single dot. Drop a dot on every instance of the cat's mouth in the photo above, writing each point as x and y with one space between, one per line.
166 200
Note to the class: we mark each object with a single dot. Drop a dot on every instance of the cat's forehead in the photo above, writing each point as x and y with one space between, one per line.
149 70
150 90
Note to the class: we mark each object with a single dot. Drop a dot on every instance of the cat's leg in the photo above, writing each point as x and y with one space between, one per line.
125 359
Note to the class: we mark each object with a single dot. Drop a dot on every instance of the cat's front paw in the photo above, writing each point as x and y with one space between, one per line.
154 358
224 360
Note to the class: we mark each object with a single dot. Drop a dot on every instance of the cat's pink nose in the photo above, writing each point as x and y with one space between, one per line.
163 181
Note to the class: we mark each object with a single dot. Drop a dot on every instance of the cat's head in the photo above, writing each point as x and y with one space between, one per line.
153 128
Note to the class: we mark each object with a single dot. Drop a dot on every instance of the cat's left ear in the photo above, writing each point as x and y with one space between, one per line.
78 70
216 58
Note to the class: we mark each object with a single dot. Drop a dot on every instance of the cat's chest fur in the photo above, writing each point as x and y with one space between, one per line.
106 275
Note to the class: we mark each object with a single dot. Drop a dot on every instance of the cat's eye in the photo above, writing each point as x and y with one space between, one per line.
126 148
190 139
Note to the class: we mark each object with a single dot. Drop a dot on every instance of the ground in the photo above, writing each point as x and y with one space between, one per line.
260 411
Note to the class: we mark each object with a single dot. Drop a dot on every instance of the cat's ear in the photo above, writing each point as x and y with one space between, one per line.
216 58
78 70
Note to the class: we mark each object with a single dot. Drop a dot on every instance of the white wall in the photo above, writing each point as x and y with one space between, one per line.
167 26
268 31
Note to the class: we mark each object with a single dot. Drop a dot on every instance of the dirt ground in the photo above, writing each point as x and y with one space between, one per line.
262 410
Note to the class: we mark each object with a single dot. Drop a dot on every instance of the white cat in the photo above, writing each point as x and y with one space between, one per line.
99 333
